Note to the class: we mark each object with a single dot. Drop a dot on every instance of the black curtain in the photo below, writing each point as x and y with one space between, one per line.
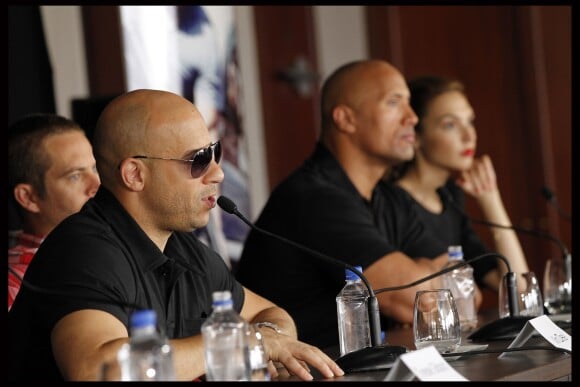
30 85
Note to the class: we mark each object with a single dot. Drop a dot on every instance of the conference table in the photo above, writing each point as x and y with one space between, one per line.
529 365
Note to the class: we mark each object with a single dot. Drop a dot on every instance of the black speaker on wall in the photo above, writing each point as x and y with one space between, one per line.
86 111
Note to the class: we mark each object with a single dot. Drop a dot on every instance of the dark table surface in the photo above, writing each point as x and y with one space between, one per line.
529 365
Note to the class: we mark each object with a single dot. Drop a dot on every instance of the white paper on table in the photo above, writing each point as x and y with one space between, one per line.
426 364
555 335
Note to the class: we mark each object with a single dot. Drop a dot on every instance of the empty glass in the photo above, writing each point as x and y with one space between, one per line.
557 287
529 296
436 321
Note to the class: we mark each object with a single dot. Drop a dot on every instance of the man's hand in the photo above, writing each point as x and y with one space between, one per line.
296 356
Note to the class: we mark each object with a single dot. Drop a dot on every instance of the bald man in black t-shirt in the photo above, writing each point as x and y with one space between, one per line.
331 204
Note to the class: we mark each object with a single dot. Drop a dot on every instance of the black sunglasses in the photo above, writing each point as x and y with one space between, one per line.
200 161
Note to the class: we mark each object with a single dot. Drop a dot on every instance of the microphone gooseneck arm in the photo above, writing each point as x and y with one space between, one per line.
566 256
449 199
510 277
373 305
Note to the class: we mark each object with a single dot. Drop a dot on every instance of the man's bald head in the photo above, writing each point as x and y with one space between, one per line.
347 85
125 127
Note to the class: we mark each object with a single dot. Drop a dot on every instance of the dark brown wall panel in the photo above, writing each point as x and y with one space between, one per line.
290 121
555 28
515 63
106 69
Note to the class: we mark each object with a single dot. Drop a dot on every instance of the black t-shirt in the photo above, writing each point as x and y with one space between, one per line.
318 207
101 259
451 227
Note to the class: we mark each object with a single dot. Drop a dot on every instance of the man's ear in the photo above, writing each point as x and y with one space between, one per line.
344 119
132 174
27 197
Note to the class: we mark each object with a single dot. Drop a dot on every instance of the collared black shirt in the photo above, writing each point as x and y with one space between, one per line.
101 259
318 206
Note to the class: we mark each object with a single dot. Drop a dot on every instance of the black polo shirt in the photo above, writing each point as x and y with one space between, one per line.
101 259
317 206
450 227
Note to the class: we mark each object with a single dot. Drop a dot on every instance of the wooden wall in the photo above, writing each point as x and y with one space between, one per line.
516 64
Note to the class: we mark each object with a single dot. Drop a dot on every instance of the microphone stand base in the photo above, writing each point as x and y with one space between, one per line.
379 357
503 329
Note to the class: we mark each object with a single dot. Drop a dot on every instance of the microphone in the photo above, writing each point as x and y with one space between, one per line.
511 324
367 358
444 192
551 198
498 329
487 333
377 356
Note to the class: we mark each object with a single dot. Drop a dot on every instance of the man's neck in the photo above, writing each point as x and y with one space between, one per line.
37 229
363 172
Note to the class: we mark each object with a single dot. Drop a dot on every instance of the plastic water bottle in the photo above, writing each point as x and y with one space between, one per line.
462 285
227 355
147 356
353 315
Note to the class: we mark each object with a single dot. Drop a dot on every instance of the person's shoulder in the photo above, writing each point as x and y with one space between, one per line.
78 240
454 190
80 226
394 193
305 184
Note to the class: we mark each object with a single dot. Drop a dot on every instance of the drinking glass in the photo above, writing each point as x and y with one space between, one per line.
529 296
436 321
258 357
557 287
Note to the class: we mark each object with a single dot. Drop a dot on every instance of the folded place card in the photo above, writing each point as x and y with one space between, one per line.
547 329
425 364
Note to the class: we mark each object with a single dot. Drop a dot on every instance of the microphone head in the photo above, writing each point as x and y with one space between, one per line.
547 193
227 205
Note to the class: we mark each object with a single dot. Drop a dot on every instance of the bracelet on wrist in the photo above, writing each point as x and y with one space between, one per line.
267 324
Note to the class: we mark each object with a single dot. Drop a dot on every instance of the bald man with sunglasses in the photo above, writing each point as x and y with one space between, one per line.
132 247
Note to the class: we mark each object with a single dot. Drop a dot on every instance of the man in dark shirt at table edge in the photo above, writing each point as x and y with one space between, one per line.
132 247
331 204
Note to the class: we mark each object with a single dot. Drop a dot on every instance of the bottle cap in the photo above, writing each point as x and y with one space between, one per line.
352 276
222 298
143 318
455 252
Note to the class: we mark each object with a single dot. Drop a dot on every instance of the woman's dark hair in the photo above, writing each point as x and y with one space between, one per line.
423 91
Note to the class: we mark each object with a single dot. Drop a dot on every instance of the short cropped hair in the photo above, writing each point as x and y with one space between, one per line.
28 160
330 89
